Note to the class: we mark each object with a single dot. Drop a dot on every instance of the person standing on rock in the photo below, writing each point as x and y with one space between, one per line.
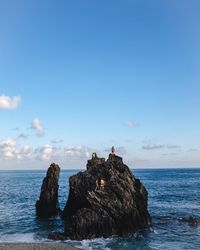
102 184
97 185
94 155
113 150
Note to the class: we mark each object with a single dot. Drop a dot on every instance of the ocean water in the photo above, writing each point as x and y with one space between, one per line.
174 194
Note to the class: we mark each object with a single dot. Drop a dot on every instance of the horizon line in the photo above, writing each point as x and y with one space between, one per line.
80 169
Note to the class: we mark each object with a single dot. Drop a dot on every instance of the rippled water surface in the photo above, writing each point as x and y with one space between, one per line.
173 194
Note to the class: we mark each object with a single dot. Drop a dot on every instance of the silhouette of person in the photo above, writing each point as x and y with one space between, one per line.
94 155
113 150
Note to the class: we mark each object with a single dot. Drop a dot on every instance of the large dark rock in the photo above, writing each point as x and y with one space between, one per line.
48 205
118 209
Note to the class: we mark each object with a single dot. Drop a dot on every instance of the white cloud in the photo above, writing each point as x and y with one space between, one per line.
7 102
131 124
45 152
7 148
49 152
23 152
37 126
152 146
10 150
78 152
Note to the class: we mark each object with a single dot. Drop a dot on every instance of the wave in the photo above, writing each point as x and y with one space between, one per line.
19 237
97 243
100 243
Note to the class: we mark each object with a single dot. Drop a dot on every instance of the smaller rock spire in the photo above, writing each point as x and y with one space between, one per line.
47 205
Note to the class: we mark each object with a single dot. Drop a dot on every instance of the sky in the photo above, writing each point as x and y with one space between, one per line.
81 76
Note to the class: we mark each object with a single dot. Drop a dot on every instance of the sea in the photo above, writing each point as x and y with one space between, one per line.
174 196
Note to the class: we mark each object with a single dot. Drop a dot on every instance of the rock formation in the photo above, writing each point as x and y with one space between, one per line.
94 161
47 205
192 221
105 200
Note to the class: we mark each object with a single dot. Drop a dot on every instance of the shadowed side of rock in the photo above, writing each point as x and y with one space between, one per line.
48 205
117 208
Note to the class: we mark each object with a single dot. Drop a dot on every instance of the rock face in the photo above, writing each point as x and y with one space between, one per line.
116 207
47 205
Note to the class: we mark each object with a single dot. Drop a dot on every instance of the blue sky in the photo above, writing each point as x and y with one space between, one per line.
80 76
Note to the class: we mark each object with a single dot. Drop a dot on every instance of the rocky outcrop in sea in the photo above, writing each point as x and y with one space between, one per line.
104 200
48 205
